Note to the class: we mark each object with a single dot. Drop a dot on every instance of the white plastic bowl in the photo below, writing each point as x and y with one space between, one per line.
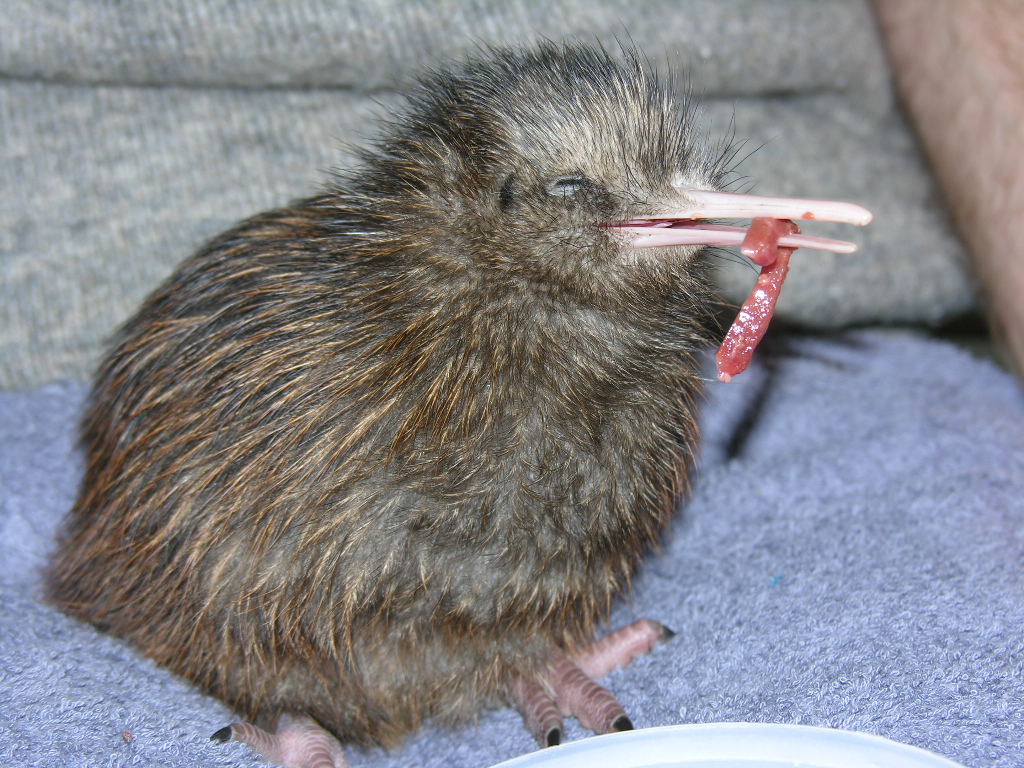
733 745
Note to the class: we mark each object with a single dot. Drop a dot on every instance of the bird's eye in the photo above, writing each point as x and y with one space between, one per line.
567 186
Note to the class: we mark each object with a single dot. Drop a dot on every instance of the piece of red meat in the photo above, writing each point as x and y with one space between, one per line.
761 245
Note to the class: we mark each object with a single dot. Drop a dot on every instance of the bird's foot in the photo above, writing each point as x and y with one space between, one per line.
567 687
298 742
621 647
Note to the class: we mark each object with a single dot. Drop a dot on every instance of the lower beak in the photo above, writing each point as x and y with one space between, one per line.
686 224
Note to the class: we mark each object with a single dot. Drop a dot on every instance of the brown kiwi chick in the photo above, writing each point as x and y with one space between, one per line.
391 452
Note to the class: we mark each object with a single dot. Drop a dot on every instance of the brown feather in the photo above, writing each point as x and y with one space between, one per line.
368 456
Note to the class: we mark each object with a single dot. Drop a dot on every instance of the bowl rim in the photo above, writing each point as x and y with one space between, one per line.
763 743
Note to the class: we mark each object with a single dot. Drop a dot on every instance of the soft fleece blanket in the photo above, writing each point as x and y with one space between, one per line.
851 557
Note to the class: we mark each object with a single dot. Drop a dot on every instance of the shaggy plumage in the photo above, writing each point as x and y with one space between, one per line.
372 456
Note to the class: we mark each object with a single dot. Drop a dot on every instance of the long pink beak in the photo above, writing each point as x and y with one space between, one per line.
685 225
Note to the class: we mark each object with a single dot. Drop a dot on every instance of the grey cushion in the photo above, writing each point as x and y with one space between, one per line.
130 132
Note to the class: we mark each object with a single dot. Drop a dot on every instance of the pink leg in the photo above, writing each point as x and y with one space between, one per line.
298 742
540 714
576 694
569 688
621 647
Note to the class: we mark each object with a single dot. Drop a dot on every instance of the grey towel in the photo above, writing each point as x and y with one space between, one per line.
851 557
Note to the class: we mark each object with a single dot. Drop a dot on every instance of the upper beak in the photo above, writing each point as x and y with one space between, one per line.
685 226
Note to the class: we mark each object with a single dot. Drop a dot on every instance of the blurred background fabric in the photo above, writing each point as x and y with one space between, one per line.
132 132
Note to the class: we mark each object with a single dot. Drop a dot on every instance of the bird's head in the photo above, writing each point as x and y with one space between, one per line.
563 169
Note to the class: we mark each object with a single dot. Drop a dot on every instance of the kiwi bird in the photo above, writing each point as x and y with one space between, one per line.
391 452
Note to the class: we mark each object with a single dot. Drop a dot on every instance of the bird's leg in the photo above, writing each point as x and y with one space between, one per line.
298 742
539 711
568 688
621 647
576 694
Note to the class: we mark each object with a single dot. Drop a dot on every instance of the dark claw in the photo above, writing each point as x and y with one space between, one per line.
622 723
554 737
666 633
223 735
